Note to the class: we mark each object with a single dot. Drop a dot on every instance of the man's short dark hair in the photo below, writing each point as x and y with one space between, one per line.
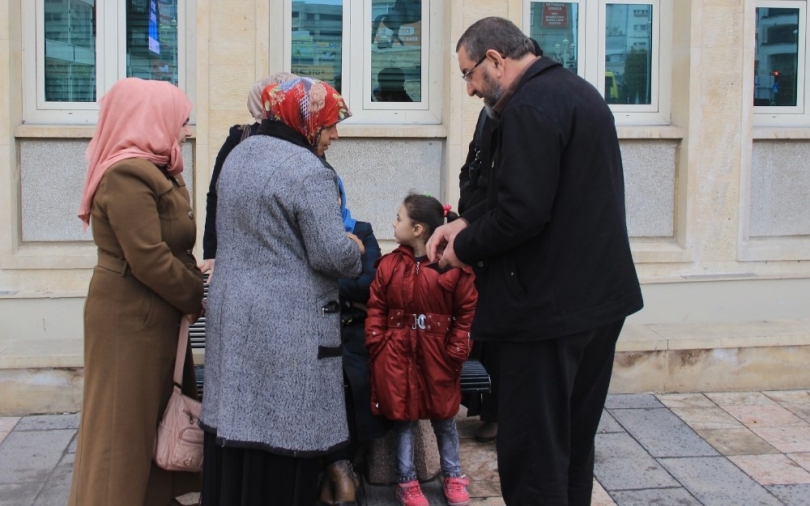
495 33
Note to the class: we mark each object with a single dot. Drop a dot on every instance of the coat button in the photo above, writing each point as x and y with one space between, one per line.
480 264
188 252
191 215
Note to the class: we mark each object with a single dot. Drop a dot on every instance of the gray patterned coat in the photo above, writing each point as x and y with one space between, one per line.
282 248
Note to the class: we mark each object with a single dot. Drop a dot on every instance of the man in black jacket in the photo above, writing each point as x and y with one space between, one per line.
554 271
473 182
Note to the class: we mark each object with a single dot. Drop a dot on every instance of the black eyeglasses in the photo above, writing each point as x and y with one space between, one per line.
467 75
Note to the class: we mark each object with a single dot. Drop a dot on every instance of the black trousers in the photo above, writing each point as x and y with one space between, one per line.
552 394
491 360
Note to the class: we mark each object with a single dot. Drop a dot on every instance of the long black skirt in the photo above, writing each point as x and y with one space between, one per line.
246 477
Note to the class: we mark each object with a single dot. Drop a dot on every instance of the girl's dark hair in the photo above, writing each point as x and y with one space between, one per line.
428 211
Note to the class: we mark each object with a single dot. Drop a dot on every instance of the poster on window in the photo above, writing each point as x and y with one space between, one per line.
555 15
154 38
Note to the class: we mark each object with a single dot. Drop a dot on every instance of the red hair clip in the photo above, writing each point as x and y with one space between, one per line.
446 208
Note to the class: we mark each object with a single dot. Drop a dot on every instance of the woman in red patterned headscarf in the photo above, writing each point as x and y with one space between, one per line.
308 106
274 398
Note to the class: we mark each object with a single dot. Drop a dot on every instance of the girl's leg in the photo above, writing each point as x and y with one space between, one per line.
447 437
406 471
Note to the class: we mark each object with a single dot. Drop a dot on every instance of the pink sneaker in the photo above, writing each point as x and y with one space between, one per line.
455 490
410 494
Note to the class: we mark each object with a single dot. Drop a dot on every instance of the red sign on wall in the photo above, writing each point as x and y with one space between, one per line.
555 15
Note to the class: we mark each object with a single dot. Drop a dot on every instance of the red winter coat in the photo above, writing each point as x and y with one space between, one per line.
418 335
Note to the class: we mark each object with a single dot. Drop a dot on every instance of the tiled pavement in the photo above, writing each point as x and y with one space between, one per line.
670 449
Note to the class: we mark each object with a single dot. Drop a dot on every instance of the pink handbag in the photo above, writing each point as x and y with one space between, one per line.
179 441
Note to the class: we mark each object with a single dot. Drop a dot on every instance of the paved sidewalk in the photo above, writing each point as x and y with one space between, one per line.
670 449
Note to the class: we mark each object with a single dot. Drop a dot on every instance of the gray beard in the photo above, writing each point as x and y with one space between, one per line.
495 92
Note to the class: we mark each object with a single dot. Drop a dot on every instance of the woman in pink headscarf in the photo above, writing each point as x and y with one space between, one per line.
145 281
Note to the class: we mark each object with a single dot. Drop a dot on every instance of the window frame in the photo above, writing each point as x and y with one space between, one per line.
786 116
356 61
110 60
592 50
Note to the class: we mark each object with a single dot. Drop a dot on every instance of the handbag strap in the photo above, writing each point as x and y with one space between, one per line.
180 360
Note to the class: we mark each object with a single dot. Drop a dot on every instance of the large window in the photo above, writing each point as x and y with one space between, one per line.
83 46
375 52
780 71
621 47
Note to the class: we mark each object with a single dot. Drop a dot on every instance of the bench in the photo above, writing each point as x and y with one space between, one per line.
474 378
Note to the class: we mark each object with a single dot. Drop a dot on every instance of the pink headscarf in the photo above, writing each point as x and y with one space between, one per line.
138 119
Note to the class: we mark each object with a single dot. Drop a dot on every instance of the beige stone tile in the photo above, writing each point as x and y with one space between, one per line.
7 423
640 338
803 459
5 84
484 488
719 26
600 497
738 369
786 439
724 399
487 501
707 418
479 461
222 53
765 416
796 401
771 469
736 442
42 353
190 498
685 401
725 335
639 371
232 20
229 86
790 396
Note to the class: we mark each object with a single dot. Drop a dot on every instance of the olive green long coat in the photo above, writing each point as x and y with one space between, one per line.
145 280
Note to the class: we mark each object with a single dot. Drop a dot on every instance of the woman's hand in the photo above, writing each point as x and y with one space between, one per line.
207 266
193 318
358 241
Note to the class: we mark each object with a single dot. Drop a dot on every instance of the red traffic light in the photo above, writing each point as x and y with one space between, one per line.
775 73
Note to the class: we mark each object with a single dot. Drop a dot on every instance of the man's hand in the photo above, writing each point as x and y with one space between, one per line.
440 244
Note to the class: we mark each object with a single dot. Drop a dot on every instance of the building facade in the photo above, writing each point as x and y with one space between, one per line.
708 96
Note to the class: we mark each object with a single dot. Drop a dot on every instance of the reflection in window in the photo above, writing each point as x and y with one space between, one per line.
152 40
396 50
628 50
554 25
317 40
776 61
70 51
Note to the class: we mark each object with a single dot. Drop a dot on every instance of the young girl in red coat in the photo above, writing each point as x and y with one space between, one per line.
418 335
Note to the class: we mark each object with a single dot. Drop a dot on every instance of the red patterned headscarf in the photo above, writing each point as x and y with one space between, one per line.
306 105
